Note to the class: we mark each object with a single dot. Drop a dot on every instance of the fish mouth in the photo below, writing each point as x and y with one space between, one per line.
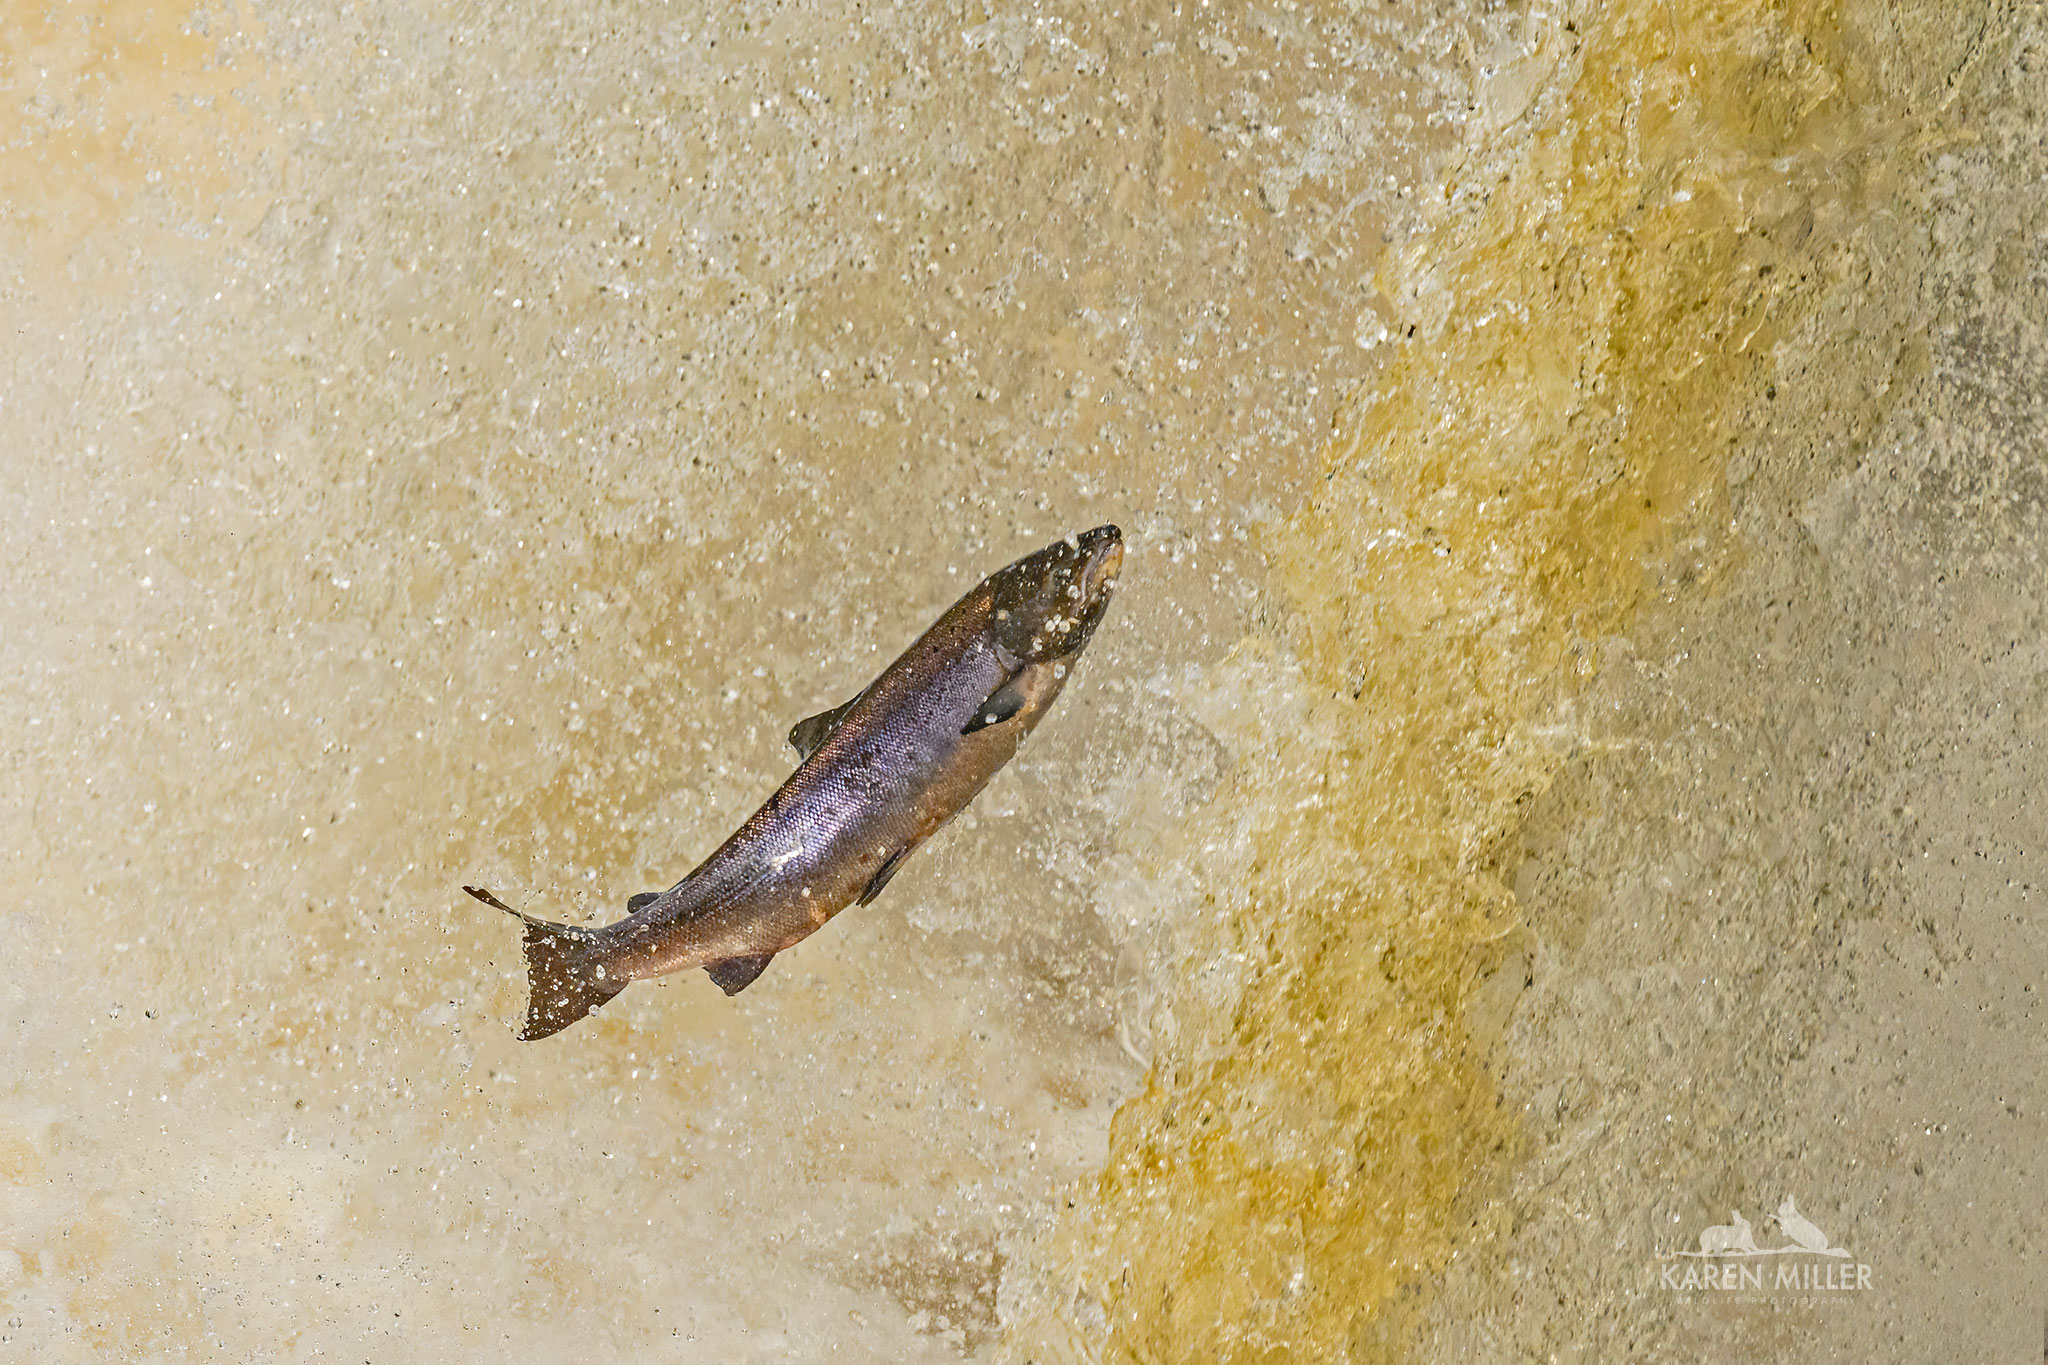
1048 603
1104 548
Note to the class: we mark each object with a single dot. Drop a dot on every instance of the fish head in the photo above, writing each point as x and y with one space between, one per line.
1048 604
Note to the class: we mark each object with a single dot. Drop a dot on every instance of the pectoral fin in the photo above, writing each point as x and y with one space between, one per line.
1006 701
883 874
808 734
735 974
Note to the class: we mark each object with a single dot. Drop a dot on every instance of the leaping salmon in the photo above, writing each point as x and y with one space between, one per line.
877 777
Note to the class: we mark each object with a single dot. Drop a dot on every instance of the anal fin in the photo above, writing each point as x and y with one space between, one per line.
735 974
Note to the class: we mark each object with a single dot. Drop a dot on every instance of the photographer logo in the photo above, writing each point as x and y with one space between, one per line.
1729 1259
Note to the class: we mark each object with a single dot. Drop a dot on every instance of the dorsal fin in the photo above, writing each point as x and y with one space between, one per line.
808 734
635 904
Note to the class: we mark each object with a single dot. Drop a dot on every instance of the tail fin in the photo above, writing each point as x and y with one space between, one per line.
565 975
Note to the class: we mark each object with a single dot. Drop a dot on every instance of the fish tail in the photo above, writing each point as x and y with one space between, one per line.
565 978
565 972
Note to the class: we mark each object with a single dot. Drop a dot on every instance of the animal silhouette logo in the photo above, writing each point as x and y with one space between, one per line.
1738 1238
1795 1225
1720 1240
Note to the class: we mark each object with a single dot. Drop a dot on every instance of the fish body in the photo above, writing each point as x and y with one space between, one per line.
879 775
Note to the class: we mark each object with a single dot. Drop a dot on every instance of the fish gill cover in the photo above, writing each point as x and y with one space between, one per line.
1642 199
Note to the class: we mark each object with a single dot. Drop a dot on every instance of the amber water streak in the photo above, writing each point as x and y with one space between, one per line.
1584 331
